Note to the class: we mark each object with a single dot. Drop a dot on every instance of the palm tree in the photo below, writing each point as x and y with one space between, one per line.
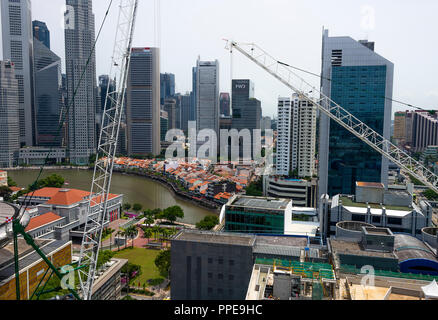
131 232
124 233
147 233
119 233
149 220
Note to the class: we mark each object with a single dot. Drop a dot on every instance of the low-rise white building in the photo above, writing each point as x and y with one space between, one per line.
395 210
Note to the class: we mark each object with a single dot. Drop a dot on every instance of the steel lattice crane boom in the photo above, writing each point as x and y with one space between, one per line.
100 188
335 112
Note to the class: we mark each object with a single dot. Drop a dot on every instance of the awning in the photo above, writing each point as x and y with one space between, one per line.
431 290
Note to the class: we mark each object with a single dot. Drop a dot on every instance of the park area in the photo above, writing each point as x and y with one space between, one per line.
144 258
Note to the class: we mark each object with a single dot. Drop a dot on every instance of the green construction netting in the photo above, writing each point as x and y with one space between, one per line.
306 269
392 274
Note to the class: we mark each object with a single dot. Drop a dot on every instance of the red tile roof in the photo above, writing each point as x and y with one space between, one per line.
66 197
42 220
44 192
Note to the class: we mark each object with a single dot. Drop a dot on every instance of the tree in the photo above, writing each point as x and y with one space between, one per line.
126 206
131 233
147 233
173 213
5 193
162 261
149 220
137 207
157 213
208 223
52 181
11 183
124 233
92 159
119 233
255 189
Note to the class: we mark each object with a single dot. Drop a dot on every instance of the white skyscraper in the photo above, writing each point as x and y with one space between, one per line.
79 40
284 136
17 42
296 137
207 87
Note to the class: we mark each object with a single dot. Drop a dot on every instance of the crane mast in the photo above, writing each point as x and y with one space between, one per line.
106 151
334 111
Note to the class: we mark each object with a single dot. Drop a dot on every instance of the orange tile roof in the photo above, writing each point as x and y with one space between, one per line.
66 197
110 196
44 192
42 220
15 189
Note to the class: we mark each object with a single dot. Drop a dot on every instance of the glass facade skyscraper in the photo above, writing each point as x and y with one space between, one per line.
361 91
48 96
41 32
358 79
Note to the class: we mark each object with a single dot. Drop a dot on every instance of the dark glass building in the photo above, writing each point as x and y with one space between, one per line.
41 32
224 101
48 95
247 110
358 79
167 86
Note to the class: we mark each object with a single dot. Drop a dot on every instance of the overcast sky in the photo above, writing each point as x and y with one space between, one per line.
404 32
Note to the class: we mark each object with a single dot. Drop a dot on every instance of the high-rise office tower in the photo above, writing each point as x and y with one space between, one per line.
48 95
296 137
164 124
184 103
143 102
194 95
424 129
17 41
167 86
172 113
79 40
358 79
41 32
105 85
207 95
247 111
9 110
224 101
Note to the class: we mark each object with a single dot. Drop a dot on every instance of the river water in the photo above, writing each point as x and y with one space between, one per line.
134 188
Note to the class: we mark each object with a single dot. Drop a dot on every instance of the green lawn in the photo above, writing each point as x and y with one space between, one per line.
145 258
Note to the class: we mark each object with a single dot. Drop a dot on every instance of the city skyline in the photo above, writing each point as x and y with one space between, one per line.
208 43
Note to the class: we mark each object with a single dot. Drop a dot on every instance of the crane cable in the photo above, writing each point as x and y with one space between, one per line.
66 111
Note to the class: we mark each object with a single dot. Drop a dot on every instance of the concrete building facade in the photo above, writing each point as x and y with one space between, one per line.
207 96
79 43
9 115
296 141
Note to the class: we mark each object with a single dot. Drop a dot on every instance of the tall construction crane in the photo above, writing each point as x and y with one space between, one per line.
100 188
284 74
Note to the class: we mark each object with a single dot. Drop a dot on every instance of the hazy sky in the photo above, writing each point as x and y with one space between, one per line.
404 32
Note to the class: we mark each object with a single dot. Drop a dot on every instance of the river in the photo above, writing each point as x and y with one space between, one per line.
134 188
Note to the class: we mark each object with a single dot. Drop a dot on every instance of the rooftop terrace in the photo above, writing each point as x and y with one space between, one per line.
347 202
212 237
263 203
